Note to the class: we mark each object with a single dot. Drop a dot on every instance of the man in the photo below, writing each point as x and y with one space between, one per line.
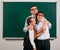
33 11
42 42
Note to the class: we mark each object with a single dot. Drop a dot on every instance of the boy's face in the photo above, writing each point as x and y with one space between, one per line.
33 10
40 16
33 22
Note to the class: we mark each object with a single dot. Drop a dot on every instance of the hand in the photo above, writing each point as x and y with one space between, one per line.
34 48
30 27
44 30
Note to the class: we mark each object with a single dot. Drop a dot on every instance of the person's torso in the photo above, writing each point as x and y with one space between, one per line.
46 34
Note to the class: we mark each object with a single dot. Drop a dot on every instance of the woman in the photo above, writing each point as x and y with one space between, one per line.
29 43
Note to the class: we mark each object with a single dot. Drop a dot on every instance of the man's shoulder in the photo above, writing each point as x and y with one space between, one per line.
29 16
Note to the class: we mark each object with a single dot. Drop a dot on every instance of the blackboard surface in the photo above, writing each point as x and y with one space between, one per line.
15 13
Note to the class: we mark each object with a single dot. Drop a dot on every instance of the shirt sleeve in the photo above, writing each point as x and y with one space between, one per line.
25 29
31 37
49 24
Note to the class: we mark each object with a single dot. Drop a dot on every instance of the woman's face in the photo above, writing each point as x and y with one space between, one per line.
40 16
33 22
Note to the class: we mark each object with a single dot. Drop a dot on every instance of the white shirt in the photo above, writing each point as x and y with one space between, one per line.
46 34
31 37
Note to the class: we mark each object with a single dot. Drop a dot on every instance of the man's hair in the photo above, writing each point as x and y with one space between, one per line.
32 6
29 20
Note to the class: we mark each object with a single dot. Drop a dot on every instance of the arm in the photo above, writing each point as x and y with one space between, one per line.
49 24
29 27
31 37
36 34
25 29
43 28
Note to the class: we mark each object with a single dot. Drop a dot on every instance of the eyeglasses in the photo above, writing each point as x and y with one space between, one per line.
33 9
40 15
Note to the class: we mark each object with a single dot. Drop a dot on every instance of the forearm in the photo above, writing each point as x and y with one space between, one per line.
36 35
39 34
25 29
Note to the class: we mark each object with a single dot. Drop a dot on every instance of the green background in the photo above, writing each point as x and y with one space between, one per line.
15 13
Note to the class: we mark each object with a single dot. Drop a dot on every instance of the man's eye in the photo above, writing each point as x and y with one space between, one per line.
34 9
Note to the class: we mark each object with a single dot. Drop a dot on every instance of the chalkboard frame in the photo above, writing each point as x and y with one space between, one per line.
22 37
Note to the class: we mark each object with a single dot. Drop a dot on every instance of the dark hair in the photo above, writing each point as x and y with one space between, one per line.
40 12
32 6
37 15
29 20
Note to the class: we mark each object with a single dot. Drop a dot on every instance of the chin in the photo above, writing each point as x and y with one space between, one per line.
34 25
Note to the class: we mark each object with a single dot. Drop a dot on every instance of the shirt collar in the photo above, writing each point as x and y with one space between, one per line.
32 15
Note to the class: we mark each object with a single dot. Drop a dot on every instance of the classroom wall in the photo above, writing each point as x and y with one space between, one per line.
18 44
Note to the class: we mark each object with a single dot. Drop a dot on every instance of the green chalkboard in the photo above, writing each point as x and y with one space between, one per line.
15 13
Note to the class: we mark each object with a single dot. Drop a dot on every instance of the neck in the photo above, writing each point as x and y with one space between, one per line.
33 14
39 22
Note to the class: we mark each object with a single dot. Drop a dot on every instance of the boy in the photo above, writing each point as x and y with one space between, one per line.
42 42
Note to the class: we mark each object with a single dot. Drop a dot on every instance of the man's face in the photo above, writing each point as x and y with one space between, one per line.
33 10
33 22
40 16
